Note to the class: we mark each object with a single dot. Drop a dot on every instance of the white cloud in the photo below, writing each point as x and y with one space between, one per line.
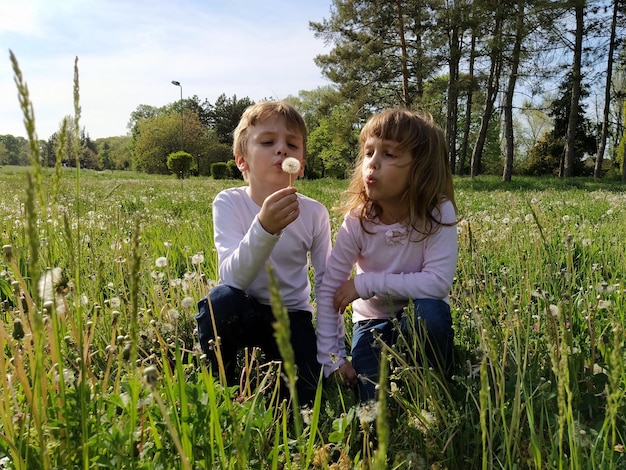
128 53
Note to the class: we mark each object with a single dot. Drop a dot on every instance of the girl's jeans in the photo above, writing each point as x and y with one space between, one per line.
433 324
242 322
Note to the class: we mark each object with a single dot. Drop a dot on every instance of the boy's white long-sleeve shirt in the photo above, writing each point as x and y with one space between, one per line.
390 270
244 248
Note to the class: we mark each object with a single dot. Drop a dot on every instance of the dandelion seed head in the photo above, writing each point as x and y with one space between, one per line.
306 413
150 375
424 422
291 165
161 262
187 302
198 258
367 412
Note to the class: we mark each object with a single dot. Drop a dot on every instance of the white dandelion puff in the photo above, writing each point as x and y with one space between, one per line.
187 302
425 422
161 262
291 165
50 289
367 412
198 258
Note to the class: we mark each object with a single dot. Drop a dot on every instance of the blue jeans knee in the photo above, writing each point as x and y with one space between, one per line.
433 324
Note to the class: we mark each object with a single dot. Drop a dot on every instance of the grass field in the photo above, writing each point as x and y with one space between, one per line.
100 274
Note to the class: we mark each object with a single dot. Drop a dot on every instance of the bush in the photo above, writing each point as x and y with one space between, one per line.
179 163
233 170
219 171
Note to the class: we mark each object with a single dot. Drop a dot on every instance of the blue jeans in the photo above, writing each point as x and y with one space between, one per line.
242 321
433 324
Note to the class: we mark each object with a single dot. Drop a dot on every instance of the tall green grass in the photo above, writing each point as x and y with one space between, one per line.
99 277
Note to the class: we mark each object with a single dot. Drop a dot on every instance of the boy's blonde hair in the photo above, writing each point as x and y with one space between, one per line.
261 112
430 178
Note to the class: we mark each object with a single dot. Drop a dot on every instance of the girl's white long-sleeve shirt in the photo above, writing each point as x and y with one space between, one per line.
244 248
391 268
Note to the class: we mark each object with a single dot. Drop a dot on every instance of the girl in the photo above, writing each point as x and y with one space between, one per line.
399 231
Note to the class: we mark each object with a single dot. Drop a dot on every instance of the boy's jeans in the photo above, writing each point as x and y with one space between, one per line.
431 314
242 322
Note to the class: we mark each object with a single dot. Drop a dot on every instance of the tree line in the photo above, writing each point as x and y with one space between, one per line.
520 86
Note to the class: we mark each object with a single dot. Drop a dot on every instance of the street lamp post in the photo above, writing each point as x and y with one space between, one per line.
182 121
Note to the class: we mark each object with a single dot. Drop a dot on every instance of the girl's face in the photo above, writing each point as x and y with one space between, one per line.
385 173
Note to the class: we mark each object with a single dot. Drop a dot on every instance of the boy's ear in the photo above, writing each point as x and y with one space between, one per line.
241 163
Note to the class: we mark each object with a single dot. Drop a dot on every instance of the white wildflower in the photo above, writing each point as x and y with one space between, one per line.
424 422
367 412
151 375
187 302
173 314
291 165
198 258
306 413
161 262
50 284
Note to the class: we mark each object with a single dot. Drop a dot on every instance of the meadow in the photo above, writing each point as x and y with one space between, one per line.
100 274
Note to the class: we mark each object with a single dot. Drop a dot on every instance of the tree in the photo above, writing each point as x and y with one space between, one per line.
215 152
492 86
114 152
333 144
15 150
547 156
597 172
158 136
510 91
329 119
383 51
223 116
566 168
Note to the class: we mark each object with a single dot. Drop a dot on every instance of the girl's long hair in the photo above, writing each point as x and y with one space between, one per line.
430 177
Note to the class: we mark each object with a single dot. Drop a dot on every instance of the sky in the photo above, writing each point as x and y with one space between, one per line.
129 51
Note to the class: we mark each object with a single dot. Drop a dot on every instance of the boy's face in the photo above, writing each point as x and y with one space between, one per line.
269 143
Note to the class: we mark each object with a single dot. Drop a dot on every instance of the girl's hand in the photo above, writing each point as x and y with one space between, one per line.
345 295
346 374
279 210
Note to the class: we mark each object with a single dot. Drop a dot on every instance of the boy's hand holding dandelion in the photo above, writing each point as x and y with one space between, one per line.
279 210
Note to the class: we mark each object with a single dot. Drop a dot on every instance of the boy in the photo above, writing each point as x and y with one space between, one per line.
266 222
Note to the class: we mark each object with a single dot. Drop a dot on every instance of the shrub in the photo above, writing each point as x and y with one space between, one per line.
219 171
233 171
179 163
